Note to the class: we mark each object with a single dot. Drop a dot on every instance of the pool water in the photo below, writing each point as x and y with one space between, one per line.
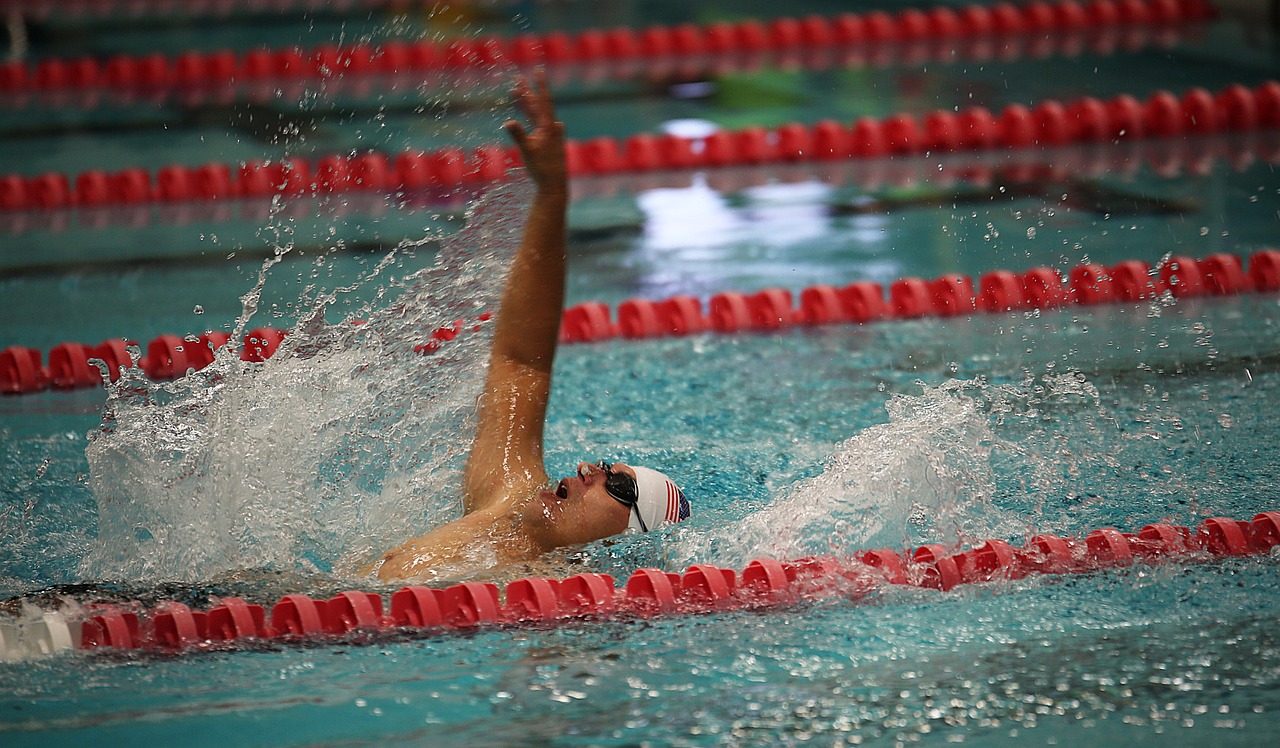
812 440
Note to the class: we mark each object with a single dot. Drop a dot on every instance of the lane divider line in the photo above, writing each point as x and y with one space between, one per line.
1087 120
1165 158
23 370
117 9
939 35
360 616
998 291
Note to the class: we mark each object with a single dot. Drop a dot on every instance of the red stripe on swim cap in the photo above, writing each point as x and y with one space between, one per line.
673 503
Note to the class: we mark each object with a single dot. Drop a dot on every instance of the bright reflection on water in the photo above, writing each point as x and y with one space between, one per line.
669 213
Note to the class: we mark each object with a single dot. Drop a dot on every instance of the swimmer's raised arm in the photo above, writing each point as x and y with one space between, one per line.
511 514
506 457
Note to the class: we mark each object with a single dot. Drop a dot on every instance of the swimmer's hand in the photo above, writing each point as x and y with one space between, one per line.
542 148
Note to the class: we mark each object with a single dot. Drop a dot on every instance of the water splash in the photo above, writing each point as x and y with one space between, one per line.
957 463
322 454
929 463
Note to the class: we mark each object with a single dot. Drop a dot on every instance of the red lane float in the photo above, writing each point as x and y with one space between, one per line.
21 371
115 9
1132 281
909 298
639 318
1183 276
168 357
939 33
999 291
69 367
176 626
821 305
1090 284
586 323
588 593
702 588
233 618
730 312
952 295
1050 124
1168 158
682 315
114 629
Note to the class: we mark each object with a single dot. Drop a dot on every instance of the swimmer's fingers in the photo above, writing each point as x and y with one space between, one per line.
517 133
525 99
535 100
541 141
543 112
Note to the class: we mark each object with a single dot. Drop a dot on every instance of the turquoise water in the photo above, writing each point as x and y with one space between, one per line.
811 440
1133 656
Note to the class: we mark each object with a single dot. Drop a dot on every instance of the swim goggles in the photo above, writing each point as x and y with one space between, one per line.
623 489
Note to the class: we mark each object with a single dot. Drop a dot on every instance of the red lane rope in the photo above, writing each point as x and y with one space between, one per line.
131 9
1167 158
1128 12
1050 123
702 588
910 298
22 370
167 357
910 37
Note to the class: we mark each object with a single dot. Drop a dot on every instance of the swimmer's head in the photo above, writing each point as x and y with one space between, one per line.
606 499
653 498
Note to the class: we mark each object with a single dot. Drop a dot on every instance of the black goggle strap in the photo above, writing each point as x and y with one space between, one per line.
643 527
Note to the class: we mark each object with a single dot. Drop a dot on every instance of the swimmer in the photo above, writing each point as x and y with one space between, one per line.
512 512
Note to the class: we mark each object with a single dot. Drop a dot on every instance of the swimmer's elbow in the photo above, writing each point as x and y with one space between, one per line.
388 567
401 564
373 567
391 568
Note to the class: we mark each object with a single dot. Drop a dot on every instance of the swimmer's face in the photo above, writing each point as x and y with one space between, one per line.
578 509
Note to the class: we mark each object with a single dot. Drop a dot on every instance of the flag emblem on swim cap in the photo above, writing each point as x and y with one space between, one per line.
677 504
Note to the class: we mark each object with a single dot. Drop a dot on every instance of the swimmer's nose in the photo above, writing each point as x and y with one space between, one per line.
589 471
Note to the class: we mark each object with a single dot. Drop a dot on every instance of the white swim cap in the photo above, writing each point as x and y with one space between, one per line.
661 501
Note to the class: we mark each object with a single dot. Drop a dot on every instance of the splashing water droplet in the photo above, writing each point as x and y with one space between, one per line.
324 453
931 459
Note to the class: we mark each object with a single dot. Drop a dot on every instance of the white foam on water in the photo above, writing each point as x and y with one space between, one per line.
928 474
930 459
